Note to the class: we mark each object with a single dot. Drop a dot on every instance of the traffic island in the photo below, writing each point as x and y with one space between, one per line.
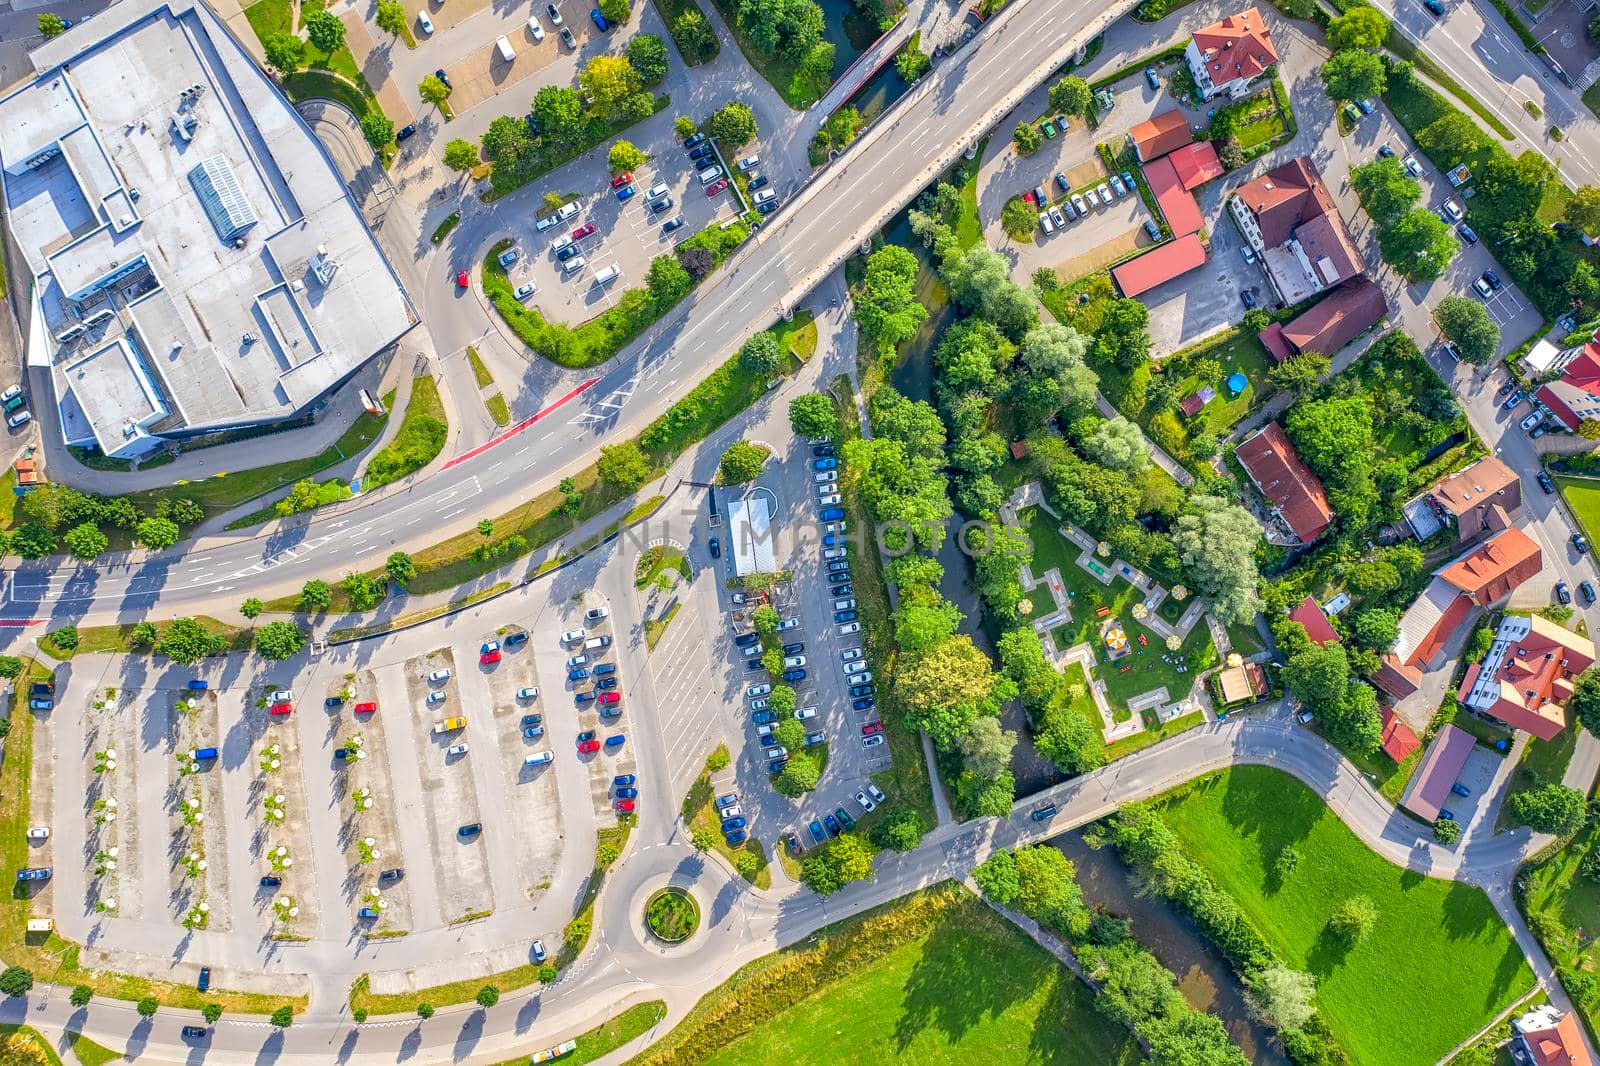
671 914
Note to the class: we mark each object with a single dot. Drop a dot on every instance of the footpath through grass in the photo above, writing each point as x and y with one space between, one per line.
937 977
1439 963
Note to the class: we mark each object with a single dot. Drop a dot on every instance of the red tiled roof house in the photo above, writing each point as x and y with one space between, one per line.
1349 311
1526 677
1155 137
1548 1037
1294 491
1160 264
1314 620
1225 57
1575 395
1482 499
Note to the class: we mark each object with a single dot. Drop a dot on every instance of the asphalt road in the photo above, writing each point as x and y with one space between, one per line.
797 248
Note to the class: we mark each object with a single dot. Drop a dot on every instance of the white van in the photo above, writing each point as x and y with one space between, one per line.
538 758
506 51
608 275
20 419
596 643
710 174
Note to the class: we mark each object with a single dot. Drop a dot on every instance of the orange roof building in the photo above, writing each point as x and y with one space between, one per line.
1397 740
1550 1038
1490 573
1161 263
1178 204
1196 164
1349 311
1575 395
1155 137
1225 57
1314 620
1483 498
1294 492
1527 676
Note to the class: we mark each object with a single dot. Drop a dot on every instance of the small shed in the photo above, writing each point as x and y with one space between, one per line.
1195 402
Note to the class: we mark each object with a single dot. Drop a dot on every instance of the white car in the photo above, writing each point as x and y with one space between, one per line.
863 678
577 660
283 695
572 266
535 28
567 210
455 749
38 832
822 477
527 693
572 636
424 22
765 195
751 651
750 162
865 802
735 811
561 242
847 604
849 627
759 705
439 677
596 614
850 655
552 219
658 190
436 696
835 553
793 662
555 14
758 690
875 792
524 291
805 712
788 623
830 500
874 741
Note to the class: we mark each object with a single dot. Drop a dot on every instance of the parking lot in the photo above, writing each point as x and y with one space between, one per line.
484 73
628 235
366 799
593 681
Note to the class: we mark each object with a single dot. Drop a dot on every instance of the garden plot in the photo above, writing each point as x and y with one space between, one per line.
279 823
367 834
194 811
110 728
451 801
534 806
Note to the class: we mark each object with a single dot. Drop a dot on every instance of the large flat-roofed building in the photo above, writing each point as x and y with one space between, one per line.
197 262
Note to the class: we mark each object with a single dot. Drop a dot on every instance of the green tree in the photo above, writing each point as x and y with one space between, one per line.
377 128
51 25
1550 808
283 1017
363 592
1582 212
1027 138
81 995
608 81
1468 325
733 124
704 838
401 568
761 354
391 16
424 1011
315 595
1355 919
1071 95
489 995
1017 219
433 90
667 281
460 154
623 466
648 54
1118 444
791 733
1354 75
1216 541
1446 831
325 31
886 306
812 415
1585 702
1451 136
10 666
251 607
85 541
148 1006
285 52
157 533
946 687
1419 245
1377 628
143 635
558 112
741 462
1299 374
782 700
1281 997
65 638
1359 27
799 775
616 12
986 747
16 981
1385 189
683 126
900 829
211 1012
911 64
695 37
187 641
279 640
624 156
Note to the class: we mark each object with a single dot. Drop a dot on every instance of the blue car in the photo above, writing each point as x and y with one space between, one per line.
763 717
532 731
794 675
627 793
369 913
844 616
866 703
832 514
577 673
606 683
470 830
616 741
757 181
599 20
769 741
625 193
624 780
583 697
738 836
602 669
1447 814
730 824
832 540
776 766
1460 789
816 831
513 639
824 464
833 825
34 873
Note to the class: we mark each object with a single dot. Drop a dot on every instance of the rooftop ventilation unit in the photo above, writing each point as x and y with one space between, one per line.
324 266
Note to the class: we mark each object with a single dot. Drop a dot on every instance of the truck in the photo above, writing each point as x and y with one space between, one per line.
450 725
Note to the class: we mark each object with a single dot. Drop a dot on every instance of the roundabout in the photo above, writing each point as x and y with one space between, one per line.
671 915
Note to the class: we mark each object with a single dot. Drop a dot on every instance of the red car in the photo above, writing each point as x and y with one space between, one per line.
282 708
583 231
716 186
489 658
589 747
625 806
871 728
620 180
610 697
1029 199
368 707
462 280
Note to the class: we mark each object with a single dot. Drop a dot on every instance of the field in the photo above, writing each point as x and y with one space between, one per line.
1583 496
937 978
1559 902
1438 965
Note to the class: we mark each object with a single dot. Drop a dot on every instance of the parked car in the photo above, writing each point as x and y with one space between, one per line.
816 831
599 20
1544 482
1563 594
1587 591
1579 543
1532 420
1153 78
527 693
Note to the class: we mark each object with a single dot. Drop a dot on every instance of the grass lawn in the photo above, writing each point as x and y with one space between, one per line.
1543 762
90 1053
1559 899
936 978
605 1038
1244 638
1144 669
8 498
671 11
1043 602
1236 823
421 437
480 373
37 1039
1583 496
799 335
115 638
1052 550
1153 734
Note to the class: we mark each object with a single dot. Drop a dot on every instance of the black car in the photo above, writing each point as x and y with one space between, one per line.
1248 299
823 451
405 131
672 224
768 207
393 874
715 547
513 639
840 578
442 76
272 881
758 181
1587 591
695 141
702 152
1493 279
842 590
753 664
194 1032
606 683
1563 594
862 690
660 205
333 701
1545 482
744 640
1580 543
205 979
795 648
